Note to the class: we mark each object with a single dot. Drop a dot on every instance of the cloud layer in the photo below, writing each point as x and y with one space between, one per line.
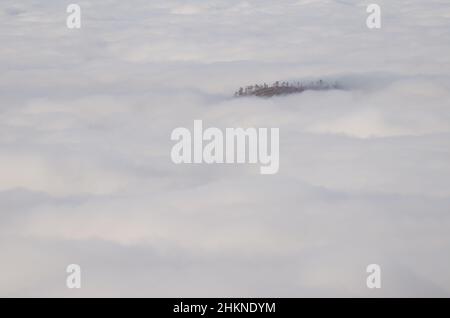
85 170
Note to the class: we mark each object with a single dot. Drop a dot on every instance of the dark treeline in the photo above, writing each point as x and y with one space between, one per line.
283 88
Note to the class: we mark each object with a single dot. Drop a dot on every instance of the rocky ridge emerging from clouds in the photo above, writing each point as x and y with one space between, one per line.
283 88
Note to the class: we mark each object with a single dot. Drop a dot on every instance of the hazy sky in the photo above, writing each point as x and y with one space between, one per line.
85 169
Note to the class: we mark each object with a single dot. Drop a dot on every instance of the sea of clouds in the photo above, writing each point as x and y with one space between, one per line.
85 169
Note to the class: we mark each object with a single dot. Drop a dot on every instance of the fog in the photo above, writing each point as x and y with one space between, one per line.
86 175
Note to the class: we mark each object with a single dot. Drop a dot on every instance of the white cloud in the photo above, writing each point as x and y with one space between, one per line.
85 169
